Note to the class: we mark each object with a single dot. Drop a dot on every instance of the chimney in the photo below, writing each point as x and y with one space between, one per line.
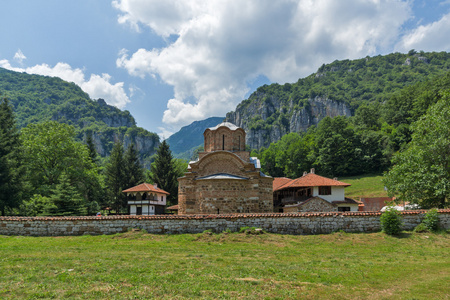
335 178
312 171
155 186
305 173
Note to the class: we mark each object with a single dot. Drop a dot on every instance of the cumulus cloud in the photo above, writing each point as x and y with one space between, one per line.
19 56
430 37
97 86
219 46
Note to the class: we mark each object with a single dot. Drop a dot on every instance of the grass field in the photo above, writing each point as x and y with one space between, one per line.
369 185
136 265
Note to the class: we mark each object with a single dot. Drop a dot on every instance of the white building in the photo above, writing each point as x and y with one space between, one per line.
146 199
311 192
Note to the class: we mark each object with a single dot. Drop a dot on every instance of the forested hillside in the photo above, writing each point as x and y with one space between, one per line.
336 89
184 142
37 98
408 130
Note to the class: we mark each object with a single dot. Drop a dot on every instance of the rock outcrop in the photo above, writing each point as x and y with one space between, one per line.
293 119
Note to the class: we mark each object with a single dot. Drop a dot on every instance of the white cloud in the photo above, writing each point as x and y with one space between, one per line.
430 37
222 45
97 86
164 133
19 56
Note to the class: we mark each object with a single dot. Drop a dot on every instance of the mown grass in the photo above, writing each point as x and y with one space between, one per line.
368 185
137 265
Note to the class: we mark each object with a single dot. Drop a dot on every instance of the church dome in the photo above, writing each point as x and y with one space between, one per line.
229 125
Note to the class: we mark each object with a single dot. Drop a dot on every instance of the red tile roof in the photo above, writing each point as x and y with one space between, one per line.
173 207
145 187
280 181
308 180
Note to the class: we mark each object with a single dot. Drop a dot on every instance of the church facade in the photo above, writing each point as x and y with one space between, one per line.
225 179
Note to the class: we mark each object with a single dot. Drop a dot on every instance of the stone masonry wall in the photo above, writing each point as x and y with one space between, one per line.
292 223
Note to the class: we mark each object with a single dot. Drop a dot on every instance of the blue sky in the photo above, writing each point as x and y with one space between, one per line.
173 62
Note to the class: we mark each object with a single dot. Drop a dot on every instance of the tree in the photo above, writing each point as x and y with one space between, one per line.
49 150
10 162
133 168
421 173
335 142
163 173
91 148
65 200
116 178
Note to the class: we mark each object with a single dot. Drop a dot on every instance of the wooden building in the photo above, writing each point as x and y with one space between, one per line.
146 199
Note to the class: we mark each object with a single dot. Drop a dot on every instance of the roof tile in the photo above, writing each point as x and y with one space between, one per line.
145 187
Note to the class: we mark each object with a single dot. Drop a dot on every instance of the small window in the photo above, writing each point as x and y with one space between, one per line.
162 198
324 190
344 208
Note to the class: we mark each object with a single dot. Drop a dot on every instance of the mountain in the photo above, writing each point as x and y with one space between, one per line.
37 98
188 138
335 89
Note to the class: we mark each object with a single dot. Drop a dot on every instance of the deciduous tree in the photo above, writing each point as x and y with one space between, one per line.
50 150
421 173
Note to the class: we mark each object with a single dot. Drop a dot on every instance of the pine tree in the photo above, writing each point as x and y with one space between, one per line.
66 201
10 162
164 174
91 148
116 179
133 168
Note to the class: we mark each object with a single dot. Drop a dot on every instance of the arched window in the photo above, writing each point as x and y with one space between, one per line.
223 141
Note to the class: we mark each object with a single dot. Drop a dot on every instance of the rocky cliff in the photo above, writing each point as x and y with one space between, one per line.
336 89
293 119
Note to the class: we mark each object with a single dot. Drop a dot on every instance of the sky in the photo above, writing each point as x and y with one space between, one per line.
172 62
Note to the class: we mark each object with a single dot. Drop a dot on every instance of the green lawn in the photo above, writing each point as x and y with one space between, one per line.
136 265
368 185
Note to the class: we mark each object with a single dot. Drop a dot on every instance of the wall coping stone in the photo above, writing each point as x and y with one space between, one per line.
215 216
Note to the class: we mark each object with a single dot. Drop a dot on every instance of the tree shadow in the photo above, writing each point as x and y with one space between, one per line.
402 235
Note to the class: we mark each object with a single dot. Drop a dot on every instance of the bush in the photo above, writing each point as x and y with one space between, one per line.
391 221
251 230
421 228
431 220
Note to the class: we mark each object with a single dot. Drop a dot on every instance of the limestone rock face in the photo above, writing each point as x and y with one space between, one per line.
104 141
296 119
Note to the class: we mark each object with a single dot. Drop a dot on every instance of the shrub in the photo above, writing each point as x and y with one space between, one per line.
421 228
243 229
431 219
391 221
251 230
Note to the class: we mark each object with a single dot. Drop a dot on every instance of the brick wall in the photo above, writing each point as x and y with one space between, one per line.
300 223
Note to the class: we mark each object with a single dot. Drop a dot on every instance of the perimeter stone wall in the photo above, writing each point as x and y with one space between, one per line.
283 223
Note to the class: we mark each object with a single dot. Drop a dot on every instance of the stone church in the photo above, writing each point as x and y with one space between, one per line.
225 179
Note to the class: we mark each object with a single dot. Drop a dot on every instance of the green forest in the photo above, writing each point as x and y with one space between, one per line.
407 136
36 98
400 127
353 82
50 130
